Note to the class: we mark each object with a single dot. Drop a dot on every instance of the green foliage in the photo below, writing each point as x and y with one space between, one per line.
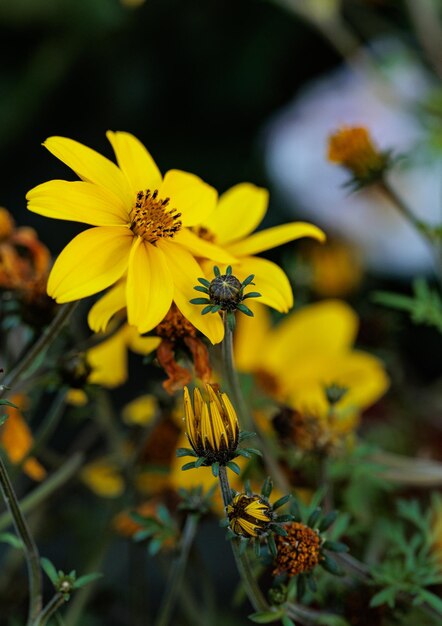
66 583
424 307
159 531
410 565
12 540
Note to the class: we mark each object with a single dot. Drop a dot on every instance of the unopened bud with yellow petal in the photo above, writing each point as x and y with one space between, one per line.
211 426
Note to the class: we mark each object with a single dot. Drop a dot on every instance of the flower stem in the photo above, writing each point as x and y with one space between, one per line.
231 377
251 587
245 418
30 549
176 576
39 347
55 603
419 226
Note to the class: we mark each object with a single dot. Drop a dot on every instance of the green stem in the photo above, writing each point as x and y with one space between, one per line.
43 491
419 226
40 346
244 416
176 576
52 606
232 380
30 549
251 587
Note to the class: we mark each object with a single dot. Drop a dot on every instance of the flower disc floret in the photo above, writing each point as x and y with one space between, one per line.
299 551
211 426
249 515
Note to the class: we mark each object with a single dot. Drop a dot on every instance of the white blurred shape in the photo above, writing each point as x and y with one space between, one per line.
297 163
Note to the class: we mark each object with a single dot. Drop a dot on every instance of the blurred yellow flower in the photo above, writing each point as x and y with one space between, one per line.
310 350
336 269
140 231
104 478
16 438
239 212
140 411
108 360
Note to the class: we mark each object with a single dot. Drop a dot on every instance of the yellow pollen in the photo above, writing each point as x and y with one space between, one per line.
151 217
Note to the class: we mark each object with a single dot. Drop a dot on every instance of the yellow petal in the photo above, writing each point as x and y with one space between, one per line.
107 306
186 271
108 361
250 336
201 248
270 281
91 167
135 161
92 261
139 344
149 286
239 212
314 332
78 202
276 236
191 196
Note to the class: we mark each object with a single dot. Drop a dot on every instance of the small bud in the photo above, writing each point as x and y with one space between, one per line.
353 148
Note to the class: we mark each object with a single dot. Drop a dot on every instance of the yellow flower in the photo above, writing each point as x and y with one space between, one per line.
104 478
212 427
16 439
203 477
249 516
140 411
336 269
239 212
108 359
310 350
140 231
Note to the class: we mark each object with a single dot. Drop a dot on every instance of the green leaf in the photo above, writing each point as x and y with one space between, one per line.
286 621
49 570
424 307
328 520
281 502
430 598
234 467
266 617
386 596
331 566
313 518
7 403
204 282
272 545
185 452
331 620
335 546
86 579
12 540
215 469
199 301
188 466
201 289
